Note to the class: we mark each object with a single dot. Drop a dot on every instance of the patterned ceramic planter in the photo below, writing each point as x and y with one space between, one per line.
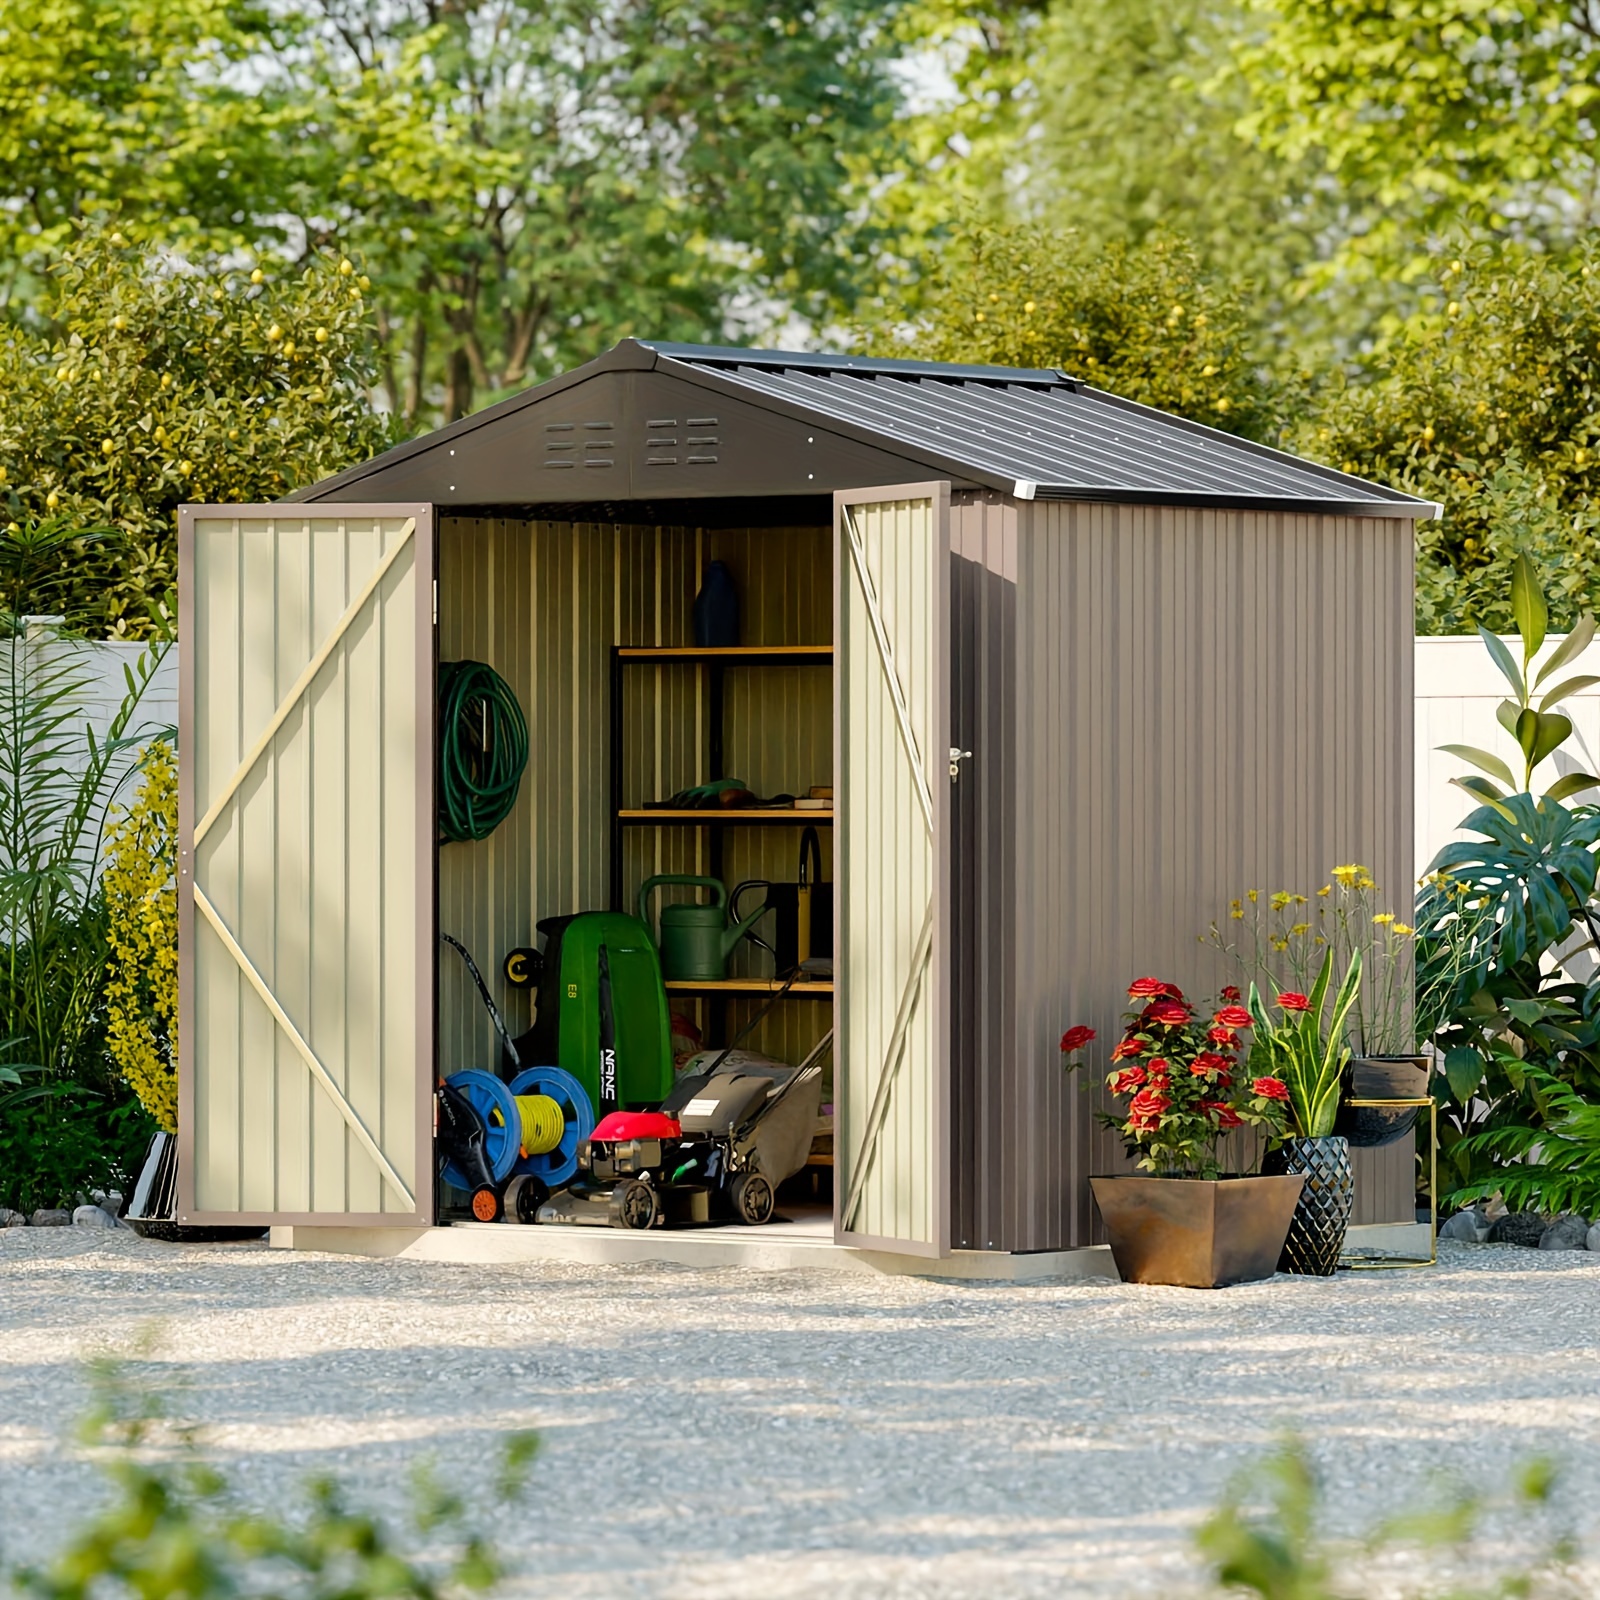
1316 1233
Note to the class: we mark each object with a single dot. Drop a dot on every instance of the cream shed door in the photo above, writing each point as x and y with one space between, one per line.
306 849
891 805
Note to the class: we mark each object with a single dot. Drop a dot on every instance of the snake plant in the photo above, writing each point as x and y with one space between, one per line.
1308 1056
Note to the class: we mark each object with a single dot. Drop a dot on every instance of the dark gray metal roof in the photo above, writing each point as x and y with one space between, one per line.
1032 434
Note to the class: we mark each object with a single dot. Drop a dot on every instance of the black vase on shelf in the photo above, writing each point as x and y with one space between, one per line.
1381 1078
716 610
1317 1230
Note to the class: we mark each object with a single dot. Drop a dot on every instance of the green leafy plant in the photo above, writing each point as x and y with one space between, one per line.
151 382
1539 730
1265 1537
174 1530
1553 1167
1305 1050
67 1123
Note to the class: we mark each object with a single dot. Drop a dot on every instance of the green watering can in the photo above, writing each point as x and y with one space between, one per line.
696 940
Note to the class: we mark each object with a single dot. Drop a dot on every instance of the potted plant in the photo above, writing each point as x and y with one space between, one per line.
1306 1050
1182 1220
1282 943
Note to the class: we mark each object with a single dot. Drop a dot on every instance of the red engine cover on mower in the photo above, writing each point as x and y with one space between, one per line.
636 1125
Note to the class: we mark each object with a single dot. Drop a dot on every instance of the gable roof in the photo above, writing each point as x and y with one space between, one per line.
1033 434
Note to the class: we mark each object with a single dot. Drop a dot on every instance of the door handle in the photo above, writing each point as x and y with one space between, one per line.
957 756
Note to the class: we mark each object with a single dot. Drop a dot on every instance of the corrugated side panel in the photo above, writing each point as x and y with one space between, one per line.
543 602
889 872
1212 702
987 1097
312 867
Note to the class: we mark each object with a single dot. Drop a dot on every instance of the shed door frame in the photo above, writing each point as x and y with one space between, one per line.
930 989
423 544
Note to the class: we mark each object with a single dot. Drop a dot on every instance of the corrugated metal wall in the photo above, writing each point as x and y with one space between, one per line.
1207 702
313 866
543 602
892 1164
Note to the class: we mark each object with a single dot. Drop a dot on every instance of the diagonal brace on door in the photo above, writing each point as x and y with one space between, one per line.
921 956
902 712
297 1039
304 681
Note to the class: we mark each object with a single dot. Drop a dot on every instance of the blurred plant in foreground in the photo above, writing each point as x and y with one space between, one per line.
1279 1552
173 1530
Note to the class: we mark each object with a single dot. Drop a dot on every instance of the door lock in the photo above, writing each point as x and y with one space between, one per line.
957 756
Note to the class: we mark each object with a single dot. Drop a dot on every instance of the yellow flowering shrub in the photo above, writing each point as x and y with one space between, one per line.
141 894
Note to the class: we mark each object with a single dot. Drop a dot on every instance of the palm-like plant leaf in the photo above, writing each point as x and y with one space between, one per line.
1526 877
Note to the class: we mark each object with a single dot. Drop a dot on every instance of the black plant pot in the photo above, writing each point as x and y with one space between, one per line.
1381 1078
1317 1230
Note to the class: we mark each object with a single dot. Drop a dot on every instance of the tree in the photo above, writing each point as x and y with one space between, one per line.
1449 112
531 182
126 104
158 382
1487 400
1143 321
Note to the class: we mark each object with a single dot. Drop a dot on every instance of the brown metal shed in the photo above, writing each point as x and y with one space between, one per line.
1094 670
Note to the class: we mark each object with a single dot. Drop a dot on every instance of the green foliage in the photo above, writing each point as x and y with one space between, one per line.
1477 114
65 1123
1485 399
528 182
1279 1551
124 105
1553 1166
158 383
1539 730
1306 1052
173 1529
1146 322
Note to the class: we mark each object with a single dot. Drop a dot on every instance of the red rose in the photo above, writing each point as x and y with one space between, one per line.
1146 989
1144 1110
1207 1062
1126 1081
1075 1039
1232 1017
1223 1036
1167 1013
1226 1116
1232 995
1290 1001
1269 1089
1131 1046
1172 991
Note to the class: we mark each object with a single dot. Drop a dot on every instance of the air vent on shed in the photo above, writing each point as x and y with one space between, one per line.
562 449
664 438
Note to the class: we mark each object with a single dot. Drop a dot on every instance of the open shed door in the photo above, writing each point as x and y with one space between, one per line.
306 864
891 854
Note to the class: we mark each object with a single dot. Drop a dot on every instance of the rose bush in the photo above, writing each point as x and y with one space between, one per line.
1182 1085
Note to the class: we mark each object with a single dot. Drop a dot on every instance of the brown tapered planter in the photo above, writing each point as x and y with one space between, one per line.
1197 1233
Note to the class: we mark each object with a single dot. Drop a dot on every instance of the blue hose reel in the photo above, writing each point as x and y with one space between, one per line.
496 1103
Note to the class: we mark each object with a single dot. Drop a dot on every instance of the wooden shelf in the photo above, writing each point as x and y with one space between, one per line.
802 988
765 817
738 655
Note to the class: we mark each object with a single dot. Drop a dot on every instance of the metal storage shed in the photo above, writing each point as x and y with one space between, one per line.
1095 670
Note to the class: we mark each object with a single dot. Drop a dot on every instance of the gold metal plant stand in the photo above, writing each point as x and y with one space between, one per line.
1374 1262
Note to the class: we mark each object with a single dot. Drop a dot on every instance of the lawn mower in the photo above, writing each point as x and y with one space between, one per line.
717 1150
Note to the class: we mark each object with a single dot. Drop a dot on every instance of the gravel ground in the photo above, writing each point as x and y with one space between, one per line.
729 1433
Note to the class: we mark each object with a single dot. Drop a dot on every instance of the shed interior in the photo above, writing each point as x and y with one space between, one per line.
554 598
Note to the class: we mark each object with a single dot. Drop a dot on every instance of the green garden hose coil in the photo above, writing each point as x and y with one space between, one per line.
483 749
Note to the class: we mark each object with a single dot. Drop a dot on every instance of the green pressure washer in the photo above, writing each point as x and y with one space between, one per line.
602 1008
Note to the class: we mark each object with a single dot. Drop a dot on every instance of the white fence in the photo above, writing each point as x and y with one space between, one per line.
1457 690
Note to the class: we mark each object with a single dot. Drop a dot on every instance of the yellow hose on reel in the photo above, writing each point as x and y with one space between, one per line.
542 1124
